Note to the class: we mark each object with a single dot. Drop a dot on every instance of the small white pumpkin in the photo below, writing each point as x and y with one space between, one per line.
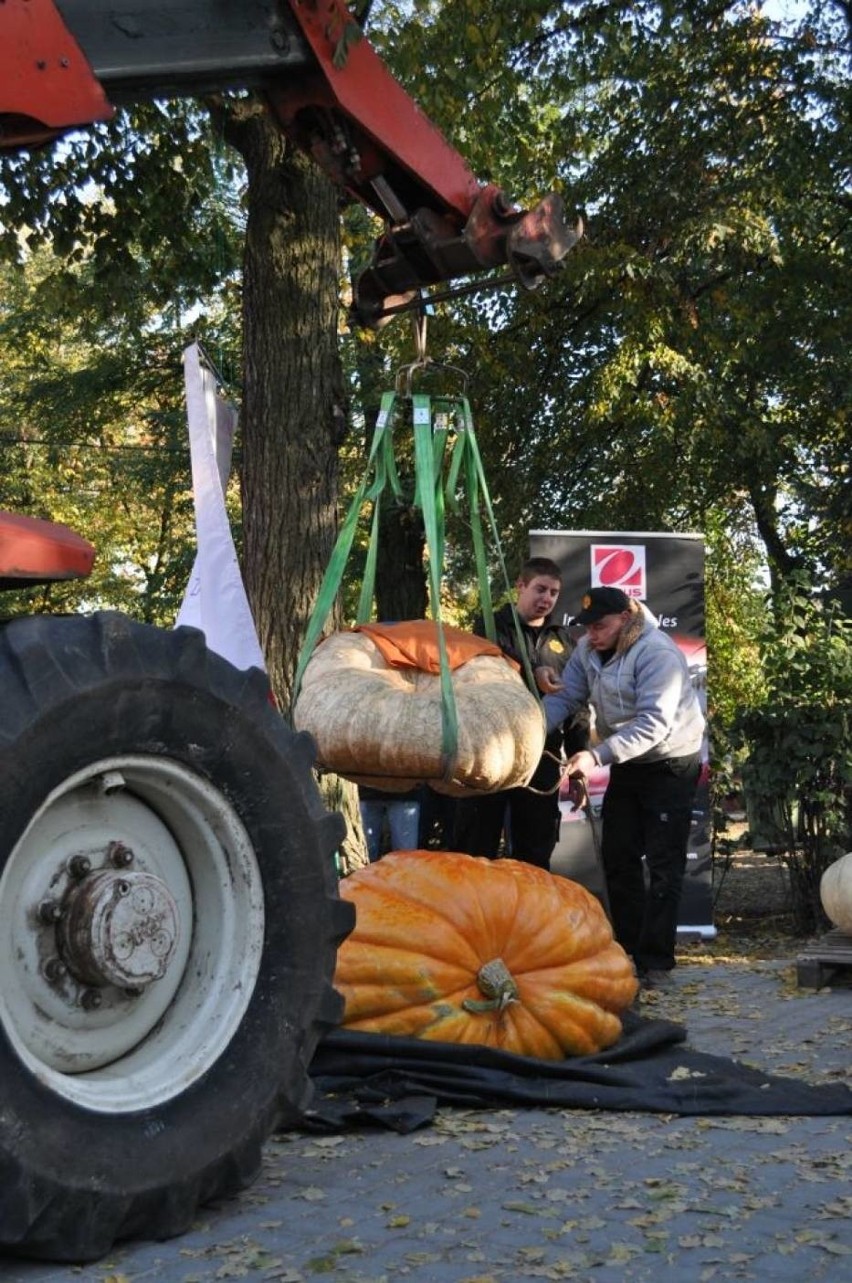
380 725
835 890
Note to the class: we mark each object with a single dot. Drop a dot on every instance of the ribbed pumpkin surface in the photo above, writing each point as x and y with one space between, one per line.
380 725
835 891
459 949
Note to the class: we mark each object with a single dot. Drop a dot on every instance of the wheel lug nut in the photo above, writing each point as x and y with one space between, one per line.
90 999
54 970
120 855
79 866
49 911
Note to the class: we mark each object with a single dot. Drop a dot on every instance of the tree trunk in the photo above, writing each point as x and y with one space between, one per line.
294 406
400 574
401 591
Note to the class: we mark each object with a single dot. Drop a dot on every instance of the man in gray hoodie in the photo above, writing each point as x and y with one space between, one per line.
650 727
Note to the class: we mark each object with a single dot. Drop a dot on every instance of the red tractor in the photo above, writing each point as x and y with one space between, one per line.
168 907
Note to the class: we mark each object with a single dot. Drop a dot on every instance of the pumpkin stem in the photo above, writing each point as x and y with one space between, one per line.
495 981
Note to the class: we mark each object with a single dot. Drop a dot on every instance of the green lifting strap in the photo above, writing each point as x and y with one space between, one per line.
386 475
444 442
467 461
429 497
382 466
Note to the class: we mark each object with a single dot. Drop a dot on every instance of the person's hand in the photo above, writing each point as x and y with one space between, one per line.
575 792
547 680
582 763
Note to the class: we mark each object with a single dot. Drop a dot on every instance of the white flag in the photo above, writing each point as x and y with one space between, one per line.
215 599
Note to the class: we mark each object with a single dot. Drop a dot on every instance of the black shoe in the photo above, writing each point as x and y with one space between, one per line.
652 978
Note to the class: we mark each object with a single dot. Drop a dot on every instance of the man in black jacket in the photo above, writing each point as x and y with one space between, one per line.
530 815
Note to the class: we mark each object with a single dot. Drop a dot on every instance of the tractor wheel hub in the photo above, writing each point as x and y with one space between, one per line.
119 928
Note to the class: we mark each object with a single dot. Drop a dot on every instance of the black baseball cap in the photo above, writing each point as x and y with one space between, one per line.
598 602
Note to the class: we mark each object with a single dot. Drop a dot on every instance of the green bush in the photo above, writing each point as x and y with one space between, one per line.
796 744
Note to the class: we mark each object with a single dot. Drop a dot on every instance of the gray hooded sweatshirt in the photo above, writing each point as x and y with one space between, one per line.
646 708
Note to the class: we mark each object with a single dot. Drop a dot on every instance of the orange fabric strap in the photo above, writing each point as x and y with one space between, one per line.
413 643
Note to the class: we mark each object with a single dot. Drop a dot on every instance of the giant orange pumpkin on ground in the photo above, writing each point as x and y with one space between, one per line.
455 948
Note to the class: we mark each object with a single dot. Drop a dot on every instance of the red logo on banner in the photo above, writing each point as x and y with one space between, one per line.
619 566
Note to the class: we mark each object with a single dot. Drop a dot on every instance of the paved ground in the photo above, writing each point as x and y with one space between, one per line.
509 1195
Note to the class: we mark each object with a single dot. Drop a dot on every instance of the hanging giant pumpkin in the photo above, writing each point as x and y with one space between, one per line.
455 948
371 698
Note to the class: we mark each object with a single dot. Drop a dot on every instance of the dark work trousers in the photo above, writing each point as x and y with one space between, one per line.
647 810
531 818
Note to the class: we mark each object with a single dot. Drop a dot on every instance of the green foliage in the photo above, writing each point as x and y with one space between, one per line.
735 612
691 355
798 740
109 240
93 434
146 205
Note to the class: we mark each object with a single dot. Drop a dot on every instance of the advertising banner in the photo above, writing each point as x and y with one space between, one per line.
666 573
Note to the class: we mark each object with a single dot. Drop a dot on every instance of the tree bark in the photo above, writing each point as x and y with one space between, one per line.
294 406
400 574
401 591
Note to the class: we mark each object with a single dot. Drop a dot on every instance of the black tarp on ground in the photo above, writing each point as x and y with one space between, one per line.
362 1079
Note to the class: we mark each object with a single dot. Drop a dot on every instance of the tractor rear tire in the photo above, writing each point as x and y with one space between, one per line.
169 921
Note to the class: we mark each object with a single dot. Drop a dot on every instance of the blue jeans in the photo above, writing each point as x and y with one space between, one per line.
403 821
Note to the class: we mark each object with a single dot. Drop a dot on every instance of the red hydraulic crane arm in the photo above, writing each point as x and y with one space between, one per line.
66 63
397 145
46 84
